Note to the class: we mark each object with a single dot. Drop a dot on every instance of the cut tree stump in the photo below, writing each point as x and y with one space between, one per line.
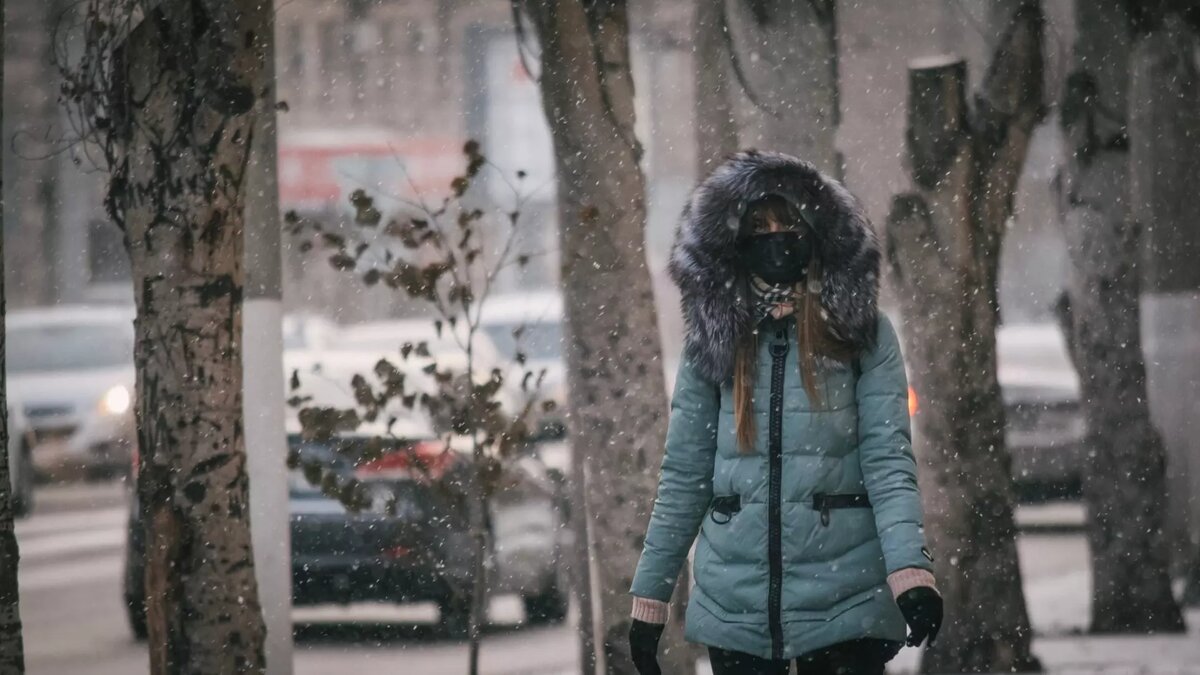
943 244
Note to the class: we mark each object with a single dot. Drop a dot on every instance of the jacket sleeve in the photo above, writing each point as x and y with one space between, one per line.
885 451
684 484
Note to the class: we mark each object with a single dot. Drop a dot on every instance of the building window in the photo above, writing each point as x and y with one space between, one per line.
329 39
295 51
354 56
389 65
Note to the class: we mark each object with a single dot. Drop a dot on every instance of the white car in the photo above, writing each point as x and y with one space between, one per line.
325 373
532 322
308 331
71 369
386 338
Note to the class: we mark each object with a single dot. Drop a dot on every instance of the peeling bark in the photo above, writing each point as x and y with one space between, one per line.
617 391
1124 481
943 243
179 191
12 649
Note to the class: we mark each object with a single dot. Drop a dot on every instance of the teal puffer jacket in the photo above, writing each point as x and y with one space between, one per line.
796 539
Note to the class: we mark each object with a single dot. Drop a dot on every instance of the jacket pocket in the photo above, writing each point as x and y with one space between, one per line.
825 503
831 613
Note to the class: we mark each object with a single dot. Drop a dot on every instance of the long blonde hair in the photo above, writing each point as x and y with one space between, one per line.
813 338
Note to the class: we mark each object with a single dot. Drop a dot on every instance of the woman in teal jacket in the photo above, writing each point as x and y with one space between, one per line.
789 450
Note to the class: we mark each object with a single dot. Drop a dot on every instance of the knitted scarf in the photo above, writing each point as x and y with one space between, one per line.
767 297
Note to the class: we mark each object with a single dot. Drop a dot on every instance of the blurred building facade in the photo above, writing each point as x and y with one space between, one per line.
382 95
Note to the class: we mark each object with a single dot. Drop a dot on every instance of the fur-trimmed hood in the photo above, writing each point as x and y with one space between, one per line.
704 263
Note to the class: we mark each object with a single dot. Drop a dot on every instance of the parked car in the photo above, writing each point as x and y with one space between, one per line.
71 367
20 459
1045 424
419 549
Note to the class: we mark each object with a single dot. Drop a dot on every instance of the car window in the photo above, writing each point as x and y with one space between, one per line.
540 341
69 347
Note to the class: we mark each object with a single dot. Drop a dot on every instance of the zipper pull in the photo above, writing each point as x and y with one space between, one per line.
822 505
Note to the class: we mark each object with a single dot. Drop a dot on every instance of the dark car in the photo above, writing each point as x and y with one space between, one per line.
411 543
1045 425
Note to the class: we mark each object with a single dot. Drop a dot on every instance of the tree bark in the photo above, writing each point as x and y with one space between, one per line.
12 649
1164 154
1124 480
786 53
617 392
716 126
943 243
178 191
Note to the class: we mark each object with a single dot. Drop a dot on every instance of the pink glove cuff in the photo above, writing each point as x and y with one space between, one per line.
910 578
650 611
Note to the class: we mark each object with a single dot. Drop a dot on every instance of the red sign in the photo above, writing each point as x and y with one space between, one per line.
320 168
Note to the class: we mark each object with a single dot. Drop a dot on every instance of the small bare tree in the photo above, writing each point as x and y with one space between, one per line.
447 259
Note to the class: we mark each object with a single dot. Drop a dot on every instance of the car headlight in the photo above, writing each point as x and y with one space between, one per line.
116 400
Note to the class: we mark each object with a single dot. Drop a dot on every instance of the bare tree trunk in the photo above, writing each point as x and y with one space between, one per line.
716 126
477 524
617 392
12 649
179 192
1124 480
1164 154
786 53
943 242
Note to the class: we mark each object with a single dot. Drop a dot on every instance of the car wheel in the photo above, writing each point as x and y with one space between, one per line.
546 608
455 620
135 578
136 612
22 495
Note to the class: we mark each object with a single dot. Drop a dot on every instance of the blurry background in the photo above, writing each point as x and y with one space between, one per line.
381 95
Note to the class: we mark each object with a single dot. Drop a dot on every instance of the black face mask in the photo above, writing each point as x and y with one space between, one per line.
777 257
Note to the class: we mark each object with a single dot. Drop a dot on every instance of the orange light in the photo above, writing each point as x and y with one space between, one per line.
912 402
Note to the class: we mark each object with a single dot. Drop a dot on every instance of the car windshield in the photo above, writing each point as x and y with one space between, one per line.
339 455
541 341
81 346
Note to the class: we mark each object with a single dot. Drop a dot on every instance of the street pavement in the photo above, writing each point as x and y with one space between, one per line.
72 554
72 551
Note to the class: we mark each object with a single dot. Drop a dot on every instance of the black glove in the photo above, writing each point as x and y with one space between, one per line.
643 646
922 610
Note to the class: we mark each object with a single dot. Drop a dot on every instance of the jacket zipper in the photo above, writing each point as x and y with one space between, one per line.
779 352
